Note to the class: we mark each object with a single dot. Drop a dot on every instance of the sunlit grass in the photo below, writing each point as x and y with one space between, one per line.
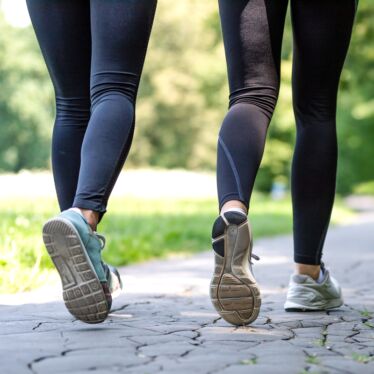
136 230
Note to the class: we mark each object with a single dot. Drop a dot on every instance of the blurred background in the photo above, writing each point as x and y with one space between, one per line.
165 203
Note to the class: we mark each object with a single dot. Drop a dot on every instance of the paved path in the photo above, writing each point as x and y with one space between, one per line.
164 321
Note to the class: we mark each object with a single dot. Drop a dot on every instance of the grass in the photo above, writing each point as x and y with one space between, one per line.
137 230
319 342
250 361
313 360
361 358
366 313
366 188
369 324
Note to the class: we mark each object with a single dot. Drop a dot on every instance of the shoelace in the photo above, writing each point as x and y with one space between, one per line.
113 277
101 238
102 241
255 257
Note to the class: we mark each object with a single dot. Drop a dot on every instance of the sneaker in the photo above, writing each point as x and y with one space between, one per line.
305 294
88 283
233 289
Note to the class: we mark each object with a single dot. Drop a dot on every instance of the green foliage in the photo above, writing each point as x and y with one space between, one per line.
183 90
249 361
312 359
356 109
361 358
25 101
366 188
366 313
183 98
136 230
369 324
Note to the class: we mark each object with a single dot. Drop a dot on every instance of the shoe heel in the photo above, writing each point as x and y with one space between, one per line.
83 293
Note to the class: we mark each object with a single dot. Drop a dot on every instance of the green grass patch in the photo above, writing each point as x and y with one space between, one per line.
366 188
361 358
250 361
369 324
366 313
319 342
136 230
313 360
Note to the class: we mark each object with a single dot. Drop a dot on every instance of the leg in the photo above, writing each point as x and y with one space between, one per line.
63 31
252 32
120 33
322 31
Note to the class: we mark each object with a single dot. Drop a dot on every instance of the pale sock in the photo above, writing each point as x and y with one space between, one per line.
239 210
321 276
77 210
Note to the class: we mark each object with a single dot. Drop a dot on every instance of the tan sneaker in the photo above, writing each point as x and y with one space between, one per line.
233 289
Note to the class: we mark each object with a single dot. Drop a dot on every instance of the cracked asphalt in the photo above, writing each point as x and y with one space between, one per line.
164 322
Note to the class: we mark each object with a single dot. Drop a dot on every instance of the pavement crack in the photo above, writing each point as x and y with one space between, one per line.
37 326
31 364
138 353
195 339
218 370
351 336
293 335
324 334
184 354
65 339
119 309
342 371
253 344
216 320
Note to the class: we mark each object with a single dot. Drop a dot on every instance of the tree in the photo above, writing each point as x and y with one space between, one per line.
183 98
26 108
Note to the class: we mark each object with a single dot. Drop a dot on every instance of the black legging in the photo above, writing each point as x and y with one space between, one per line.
252 32
94 51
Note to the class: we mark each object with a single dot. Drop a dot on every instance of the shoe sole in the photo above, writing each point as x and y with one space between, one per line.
236 298
83 293
295 307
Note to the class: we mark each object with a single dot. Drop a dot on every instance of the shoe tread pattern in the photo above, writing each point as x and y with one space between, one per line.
83 293
233 290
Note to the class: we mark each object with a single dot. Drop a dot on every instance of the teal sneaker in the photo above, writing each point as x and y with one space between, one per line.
88 283
305 294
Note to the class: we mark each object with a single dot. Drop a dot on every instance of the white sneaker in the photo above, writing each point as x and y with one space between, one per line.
305 294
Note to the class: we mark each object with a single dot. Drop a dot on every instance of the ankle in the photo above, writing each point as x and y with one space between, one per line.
234 205
91 217
312 271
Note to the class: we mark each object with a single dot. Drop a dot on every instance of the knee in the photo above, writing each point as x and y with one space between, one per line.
314 109
105 84
72 111
263 97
